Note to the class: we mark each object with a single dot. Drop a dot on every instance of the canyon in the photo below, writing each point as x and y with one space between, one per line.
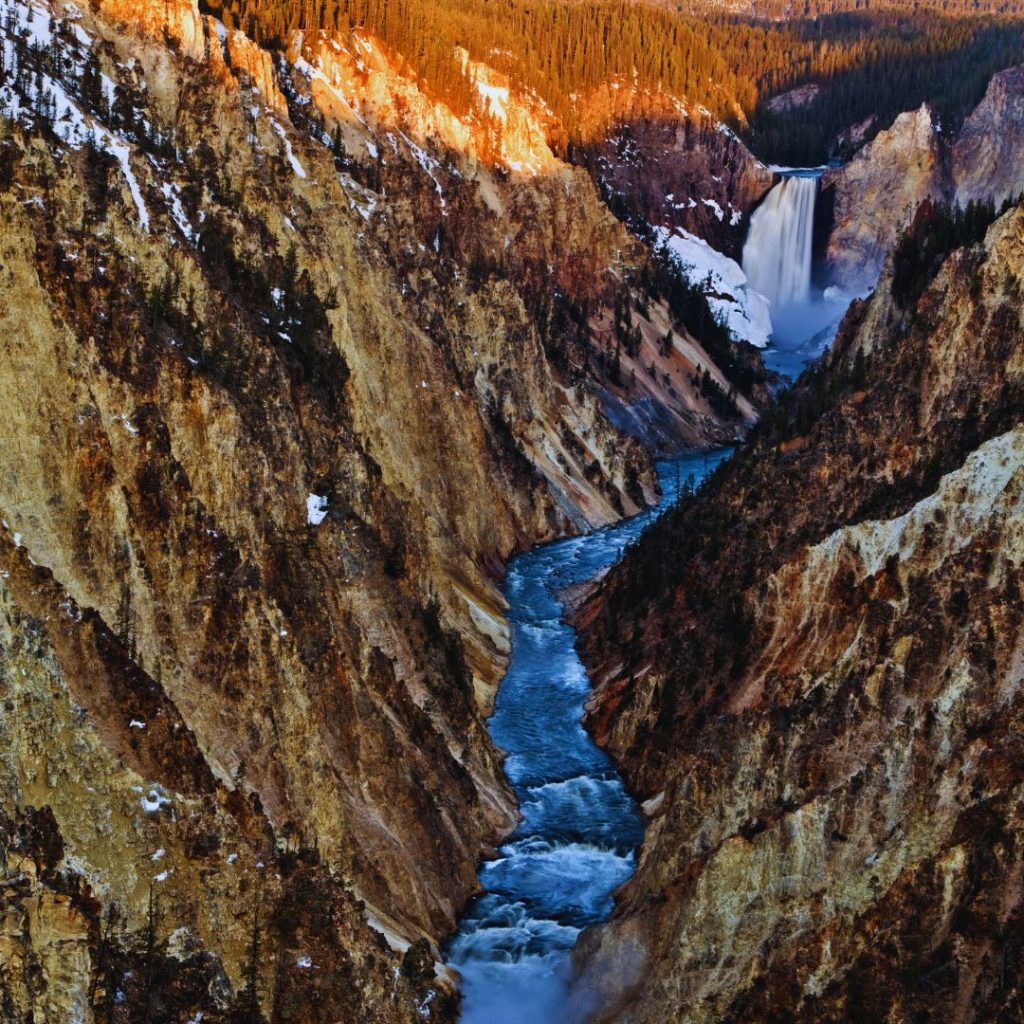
309 377
295 360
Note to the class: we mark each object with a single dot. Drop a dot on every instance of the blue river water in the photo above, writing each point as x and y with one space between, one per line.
802 334
580 828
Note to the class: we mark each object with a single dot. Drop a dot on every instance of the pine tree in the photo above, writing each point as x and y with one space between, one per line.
338 146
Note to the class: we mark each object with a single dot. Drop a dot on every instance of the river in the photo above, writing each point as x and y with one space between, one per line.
576 843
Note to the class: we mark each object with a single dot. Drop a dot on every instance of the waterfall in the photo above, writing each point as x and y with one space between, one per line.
777 256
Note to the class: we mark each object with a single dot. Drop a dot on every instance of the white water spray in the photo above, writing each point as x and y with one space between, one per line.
777 256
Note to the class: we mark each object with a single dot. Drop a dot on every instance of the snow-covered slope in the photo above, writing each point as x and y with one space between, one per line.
30 28
744 311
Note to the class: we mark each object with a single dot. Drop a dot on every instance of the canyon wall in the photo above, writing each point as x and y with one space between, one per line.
810 674
871 200
677 167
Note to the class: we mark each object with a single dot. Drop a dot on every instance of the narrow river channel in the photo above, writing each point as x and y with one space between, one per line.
577 841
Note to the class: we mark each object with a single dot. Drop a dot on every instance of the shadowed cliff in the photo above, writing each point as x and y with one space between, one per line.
810 673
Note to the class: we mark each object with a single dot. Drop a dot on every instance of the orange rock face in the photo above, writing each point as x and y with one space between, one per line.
176 21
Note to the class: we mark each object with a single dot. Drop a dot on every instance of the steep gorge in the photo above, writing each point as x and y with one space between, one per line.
295 359
275 417
810 673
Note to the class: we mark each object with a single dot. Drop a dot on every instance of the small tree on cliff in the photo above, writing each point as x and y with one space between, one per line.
150 954
338 146
615 372
248 1007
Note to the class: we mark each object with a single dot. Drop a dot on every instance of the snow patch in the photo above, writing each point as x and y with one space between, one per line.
715 208
70 124
299 170
429 165
746 313
316 509
153 801
177 211
495 98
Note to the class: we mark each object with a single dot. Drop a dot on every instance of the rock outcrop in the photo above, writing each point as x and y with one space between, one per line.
249 63
873 199
358 84
176 21
811 675
986 161
794 99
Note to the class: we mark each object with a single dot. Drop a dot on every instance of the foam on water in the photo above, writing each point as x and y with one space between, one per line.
576 843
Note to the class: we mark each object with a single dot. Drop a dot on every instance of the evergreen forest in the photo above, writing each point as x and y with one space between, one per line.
869 60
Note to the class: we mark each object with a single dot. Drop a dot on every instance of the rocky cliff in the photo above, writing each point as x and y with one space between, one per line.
811 675
290 369
677 167
874 197
986 153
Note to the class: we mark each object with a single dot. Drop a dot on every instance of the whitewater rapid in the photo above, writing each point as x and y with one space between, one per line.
580 828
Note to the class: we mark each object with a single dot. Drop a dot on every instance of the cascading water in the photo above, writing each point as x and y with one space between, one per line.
576 842
777 260
777 256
